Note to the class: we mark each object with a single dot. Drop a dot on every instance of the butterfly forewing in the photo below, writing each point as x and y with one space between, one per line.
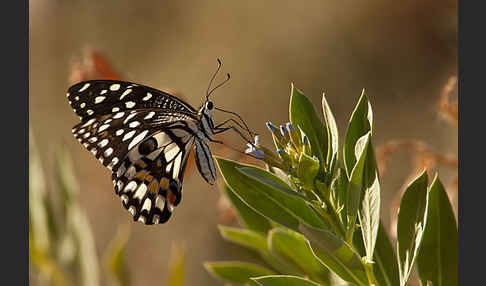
97 97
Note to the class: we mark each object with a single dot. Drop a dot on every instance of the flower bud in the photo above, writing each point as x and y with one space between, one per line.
294 136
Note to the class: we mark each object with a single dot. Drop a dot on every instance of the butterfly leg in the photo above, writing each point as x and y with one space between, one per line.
220 125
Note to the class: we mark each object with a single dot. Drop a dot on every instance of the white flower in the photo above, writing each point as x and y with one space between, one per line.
253 149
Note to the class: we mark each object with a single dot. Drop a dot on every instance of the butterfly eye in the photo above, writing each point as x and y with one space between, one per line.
209 105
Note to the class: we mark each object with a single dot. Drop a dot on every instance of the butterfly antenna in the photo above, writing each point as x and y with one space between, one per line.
219 85
212 78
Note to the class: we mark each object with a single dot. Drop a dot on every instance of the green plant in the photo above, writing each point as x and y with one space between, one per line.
313 215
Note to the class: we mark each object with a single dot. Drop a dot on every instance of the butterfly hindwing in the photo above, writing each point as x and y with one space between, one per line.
96 97
149 182
147 163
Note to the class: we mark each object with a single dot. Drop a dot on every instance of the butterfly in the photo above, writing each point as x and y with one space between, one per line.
144 136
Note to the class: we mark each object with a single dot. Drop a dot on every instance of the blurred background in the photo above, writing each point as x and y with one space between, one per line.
404 54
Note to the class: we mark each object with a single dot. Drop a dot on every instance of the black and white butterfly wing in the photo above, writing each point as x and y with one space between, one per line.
96 97
147 150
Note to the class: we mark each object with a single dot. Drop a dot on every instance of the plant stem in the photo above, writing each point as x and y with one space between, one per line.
368 266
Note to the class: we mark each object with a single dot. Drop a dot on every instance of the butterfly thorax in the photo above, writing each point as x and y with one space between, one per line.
206 123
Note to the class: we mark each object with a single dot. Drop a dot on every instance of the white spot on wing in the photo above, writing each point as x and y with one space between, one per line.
103 127
140 193
115 109
147 204
85 86
119 132
177 165
129 104
149 95
167 169
132 210
119 115
99 99
89 122
150 115
155 219
76 98
108 152
115 87
103 143
159 202
90 112
134 124
137 139
129 117
170 154
114 161
103 91
125 93
82 105
130 187
128 135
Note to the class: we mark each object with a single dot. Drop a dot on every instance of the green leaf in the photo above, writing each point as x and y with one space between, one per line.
385 268
410 224
244 237
251 194
176 267
336 254
304 115
294 247
332 131
236 272
248 217
277 190
267 194
283 280
356 184
438 257
115 257
369 212
307 170
361 122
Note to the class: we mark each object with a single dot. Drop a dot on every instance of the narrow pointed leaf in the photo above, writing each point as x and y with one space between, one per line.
283 280
247 216
304 115
244 237
336 254
361 122
332 131
438 257
369 212
356 184
410 225
294 247
236 272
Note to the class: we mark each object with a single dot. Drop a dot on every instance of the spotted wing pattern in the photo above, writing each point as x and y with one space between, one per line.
97 97
147 150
